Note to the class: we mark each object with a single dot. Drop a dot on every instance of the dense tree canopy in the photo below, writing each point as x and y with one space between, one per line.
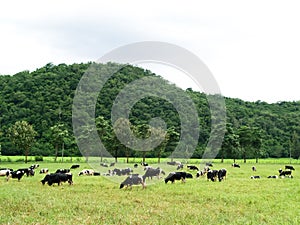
44 99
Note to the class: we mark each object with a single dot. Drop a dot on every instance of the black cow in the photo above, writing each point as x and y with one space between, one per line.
135 165
121 172
151 172
75 166
209 164
96 174
253 168
289 168
274 176
14 174
180 166
255 177
144 164
103 164
112 164
222 174
177 176
44 170
171 163
27 171
133 179
192 167
235 165
62 171
212 175
283 173
57 178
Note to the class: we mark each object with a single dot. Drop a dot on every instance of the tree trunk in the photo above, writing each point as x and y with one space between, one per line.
26 155
116 155
256 160
56 152
158 157
144 154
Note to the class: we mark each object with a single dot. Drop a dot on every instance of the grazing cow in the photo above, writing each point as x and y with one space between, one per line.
14 174
151 172
34 166
87 172
178 176
44 170
192 167
27 171
103 164
75 166
62 171
57 178
274 176
235 165
255 177
222 174
171 163
283 173
253 168
112 164
135 165
180 166
209 164
96 174
212 175
289 168
133 179
3 171
202 172
121 172
144 164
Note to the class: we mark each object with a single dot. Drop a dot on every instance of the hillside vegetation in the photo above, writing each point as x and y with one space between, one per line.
44 99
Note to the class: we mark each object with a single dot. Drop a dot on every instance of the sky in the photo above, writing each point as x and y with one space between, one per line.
252 48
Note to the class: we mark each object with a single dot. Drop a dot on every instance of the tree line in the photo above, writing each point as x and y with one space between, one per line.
43 100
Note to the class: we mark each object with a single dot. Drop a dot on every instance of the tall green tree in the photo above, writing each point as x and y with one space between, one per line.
58 136
23 136
230 146
295 146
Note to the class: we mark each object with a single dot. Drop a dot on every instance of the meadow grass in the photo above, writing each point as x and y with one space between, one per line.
98 200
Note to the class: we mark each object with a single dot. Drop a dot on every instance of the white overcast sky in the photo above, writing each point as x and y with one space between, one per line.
251 47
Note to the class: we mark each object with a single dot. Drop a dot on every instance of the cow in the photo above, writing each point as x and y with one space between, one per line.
88 172
235 165
177 176
96 174
121 172
3 171
202 172
255 177
14 174
273 176
222 174
103 164
44 170
75 166
253 168
27 171
151 172
283 173
112 164
180 166
289 167
171 163
209 164
135 165
58 178
134 179
144 164
34 166
192 167
62 171
212 175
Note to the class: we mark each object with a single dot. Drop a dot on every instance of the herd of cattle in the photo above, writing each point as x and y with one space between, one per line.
65 175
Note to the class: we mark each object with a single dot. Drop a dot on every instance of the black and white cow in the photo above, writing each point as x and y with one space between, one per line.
209 164
255 177
62 171
178 176
202 172
86 172
212 175
253 168
283 173
273 176
27 171
235 165
75 166
3 171
151 172
57 178
103 165
191 167
289 167
222 174
34 166
134 179
14 174
120 172
44 170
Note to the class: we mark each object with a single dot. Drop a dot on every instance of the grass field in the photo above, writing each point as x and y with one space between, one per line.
98 200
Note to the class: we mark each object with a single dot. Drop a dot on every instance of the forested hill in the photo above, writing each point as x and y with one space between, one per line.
44 99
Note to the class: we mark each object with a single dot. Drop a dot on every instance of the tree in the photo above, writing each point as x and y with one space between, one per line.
23 136
230 146
103 130
295 146
245 140
58 135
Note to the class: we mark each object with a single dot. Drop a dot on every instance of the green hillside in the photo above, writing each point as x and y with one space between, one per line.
44 99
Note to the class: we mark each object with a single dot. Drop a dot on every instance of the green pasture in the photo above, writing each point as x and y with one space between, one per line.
98 200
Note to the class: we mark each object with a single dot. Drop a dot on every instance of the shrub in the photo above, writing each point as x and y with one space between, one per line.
38 158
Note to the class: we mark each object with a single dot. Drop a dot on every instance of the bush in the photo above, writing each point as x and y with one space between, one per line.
38 158
21 160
